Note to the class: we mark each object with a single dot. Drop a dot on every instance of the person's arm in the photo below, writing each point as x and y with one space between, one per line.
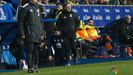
125 33
77 21
50 42
21 17
59 22
50 45
42 41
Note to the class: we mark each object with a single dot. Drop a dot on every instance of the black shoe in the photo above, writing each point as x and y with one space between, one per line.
30 71
37 71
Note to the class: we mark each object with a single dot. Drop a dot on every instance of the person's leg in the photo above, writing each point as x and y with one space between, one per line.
36 57
57 62
68 50
62 60
73 47
29 51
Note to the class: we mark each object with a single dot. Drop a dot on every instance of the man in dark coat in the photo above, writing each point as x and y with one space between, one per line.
31 29
125 35
68 22
126 31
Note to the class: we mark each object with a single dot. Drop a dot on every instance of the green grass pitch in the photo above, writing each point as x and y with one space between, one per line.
124 68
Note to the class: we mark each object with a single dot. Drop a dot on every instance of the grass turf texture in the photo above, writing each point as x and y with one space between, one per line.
124 68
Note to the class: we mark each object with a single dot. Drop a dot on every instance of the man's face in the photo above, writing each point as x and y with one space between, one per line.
128 19
91 22
68 7
57 33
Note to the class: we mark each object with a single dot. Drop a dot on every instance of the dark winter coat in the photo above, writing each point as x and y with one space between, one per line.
68 22
30 22
125 32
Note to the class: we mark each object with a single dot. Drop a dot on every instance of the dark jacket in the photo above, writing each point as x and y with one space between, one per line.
68 22
125 32
30 24
59 46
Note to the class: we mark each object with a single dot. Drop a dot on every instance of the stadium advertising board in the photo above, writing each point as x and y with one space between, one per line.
102 15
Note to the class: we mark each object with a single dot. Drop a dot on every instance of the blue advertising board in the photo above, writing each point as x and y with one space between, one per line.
102 15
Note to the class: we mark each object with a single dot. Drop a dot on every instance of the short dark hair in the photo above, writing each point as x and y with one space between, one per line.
56 29
65 4
89 19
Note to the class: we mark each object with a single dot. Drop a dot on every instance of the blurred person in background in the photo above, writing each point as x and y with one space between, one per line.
102 2
98 40
53 1
123 2
106 1
92 2
129 2
114 2
59 7
126 31
84 2
45 2
68 22
7 11
50 26
42 8
73 2
55 12
125 36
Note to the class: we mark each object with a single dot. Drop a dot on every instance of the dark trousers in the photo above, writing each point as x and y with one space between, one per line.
127 43
71 47
32 50
60 60
0 54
